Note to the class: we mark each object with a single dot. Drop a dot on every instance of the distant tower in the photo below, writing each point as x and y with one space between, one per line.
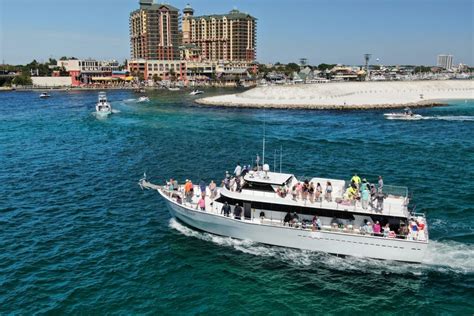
367 58
303 61
188 12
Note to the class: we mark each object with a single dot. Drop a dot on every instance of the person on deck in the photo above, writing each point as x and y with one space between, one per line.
212 189
287 219
295 218
328 191
356 179
380 184
386 230
201 203
237 211
364 197
319 191
225 209
238 170
316 223
377 228
188 187
311 192
380 198
202 186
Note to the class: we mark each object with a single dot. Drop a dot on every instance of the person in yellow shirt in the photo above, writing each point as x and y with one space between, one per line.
356 179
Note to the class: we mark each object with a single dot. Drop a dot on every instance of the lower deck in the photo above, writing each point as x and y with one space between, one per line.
358 225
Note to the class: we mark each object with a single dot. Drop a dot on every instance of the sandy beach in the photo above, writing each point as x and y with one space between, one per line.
348 95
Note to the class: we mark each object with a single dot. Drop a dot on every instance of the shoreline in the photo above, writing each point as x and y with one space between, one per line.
423 104
348 96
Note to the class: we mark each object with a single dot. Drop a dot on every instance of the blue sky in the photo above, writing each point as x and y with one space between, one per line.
330 31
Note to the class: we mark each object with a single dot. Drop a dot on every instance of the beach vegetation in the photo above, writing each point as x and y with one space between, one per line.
22 80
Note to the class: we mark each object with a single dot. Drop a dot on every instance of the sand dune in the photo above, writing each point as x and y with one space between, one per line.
349 95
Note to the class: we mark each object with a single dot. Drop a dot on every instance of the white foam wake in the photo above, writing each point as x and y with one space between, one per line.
450 256
441 256
450 118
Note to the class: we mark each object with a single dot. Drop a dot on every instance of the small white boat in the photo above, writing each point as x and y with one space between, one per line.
196 92
174 89
143 99
103 106
407 115
44 95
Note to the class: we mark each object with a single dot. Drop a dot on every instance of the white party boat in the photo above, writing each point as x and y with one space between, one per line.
331 224
196 92
406 115
143 99
103 106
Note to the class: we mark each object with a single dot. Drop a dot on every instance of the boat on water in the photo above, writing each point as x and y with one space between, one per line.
406 115
143 99
196 92
174 88
44 95
103 106
262 206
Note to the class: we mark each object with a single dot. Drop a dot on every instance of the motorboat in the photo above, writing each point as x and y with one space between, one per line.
103 106
406 115
143 99
260 206
174 88
196 92
44 95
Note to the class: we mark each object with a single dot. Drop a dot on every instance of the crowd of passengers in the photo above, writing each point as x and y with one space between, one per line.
415 230
358 190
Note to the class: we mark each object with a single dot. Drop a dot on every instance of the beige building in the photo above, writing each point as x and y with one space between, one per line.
154 32
164 69
224 37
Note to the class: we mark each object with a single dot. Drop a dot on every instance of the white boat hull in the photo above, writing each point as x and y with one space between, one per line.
324 241
397 116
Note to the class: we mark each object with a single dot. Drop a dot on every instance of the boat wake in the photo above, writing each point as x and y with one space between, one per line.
450 118
442 257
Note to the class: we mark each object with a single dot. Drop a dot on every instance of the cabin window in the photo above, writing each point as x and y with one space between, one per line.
258 186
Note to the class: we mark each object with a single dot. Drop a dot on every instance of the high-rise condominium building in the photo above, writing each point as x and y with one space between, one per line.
154 31
221 37
445 61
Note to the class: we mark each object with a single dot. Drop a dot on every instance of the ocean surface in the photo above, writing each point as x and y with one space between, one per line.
79 236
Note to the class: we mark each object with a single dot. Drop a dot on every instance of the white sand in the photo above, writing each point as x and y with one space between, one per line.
349 95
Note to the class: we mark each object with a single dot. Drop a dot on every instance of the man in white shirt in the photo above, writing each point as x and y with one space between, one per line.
238 170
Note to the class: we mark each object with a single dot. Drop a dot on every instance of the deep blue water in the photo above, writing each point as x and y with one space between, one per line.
77 235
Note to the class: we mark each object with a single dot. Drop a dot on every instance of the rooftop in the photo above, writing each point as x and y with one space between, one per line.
267 177
232 15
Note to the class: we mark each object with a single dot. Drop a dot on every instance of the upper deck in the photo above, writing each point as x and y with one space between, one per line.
263 187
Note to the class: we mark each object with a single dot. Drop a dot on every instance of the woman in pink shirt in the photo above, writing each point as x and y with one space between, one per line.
377 228
202 204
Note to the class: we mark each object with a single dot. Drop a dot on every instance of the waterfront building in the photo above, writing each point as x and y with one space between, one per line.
221 37
86 71
154 31
445 61
164 69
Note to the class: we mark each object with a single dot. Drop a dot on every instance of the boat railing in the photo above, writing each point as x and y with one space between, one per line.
278 222
344 205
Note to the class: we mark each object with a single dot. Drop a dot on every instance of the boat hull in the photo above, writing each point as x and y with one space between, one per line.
323 241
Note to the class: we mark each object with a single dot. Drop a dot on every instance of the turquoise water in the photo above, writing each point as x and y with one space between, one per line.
77 235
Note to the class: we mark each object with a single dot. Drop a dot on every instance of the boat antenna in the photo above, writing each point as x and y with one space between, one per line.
263 155
281 153
274 160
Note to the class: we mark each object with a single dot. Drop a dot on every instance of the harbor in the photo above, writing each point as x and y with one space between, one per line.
245 158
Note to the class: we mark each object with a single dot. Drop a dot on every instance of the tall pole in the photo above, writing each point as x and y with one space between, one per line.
281 153
263 155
